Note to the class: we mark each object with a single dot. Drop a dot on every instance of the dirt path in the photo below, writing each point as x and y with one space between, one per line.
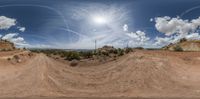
139 74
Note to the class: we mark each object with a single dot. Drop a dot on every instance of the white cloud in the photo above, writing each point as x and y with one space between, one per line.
138 38
13 37
6 23
132 39
151 20
193 36
22 29
171 26
9 36
138 35
39 46
105 33
161 41
125 27
176 29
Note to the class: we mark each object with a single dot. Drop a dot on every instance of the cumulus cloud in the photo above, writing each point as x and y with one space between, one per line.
125 27
171 26
161 41
176 29
9 36
6 23
193 36
132 39
22 29
17 40
138 38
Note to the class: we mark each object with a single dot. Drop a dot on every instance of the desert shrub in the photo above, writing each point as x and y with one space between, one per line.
16 57
98 53
105 53
114 51
127 50
30 54
72 55
3 49
155 48
9 59
178 48
183 40
54 53
49 55
8 50
87 54
74 63
120 52
139 48
24 48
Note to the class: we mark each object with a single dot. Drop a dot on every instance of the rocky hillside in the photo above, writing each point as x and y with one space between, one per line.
184 45
6 45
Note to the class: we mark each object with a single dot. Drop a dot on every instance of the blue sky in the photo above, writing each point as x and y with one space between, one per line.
78 23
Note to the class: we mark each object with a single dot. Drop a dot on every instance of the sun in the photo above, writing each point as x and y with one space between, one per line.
100 19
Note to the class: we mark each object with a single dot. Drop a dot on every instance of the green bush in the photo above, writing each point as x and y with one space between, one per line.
72 55
120 52
105 53
87 54
139 48
178 48
127 50
114 51
183 40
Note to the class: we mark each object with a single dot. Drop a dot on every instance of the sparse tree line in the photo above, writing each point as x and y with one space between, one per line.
78 55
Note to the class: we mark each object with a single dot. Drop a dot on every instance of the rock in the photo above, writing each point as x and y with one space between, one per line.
74 63
17 58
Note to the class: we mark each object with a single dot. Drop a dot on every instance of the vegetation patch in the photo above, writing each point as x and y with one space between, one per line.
104 53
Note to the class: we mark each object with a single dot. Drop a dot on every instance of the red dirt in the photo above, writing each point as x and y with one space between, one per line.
138 74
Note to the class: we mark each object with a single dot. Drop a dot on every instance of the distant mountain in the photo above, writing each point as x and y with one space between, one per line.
184 45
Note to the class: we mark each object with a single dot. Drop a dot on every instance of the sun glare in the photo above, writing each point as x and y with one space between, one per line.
100 20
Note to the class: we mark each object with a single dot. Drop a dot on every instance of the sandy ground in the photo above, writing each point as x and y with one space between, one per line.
144 74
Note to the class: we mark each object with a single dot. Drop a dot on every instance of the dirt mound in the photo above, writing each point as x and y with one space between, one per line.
138 74
6 45
185 45
8 58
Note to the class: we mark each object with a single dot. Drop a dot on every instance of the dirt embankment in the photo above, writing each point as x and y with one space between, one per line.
138 74
6 45
184 45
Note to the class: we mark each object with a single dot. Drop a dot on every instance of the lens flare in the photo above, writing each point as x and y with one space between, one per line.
100 20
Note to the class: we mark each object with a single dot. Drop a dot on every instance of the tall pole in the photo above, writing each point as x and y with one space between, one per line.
127 45
95 45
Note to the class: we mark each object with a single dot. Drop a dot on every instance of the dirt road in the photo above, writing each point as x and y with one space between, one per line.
138 74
